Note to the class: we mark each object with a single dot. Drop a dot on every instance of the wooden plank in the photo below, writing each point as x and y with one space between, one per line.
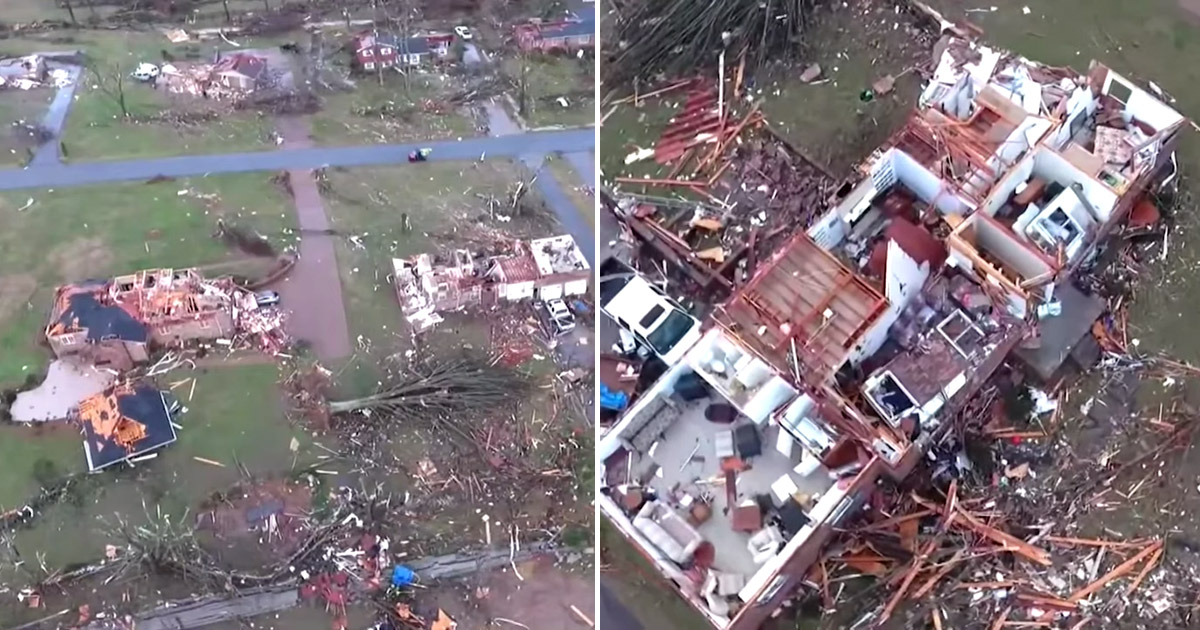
1006 540
1121 569
949 566
1150 564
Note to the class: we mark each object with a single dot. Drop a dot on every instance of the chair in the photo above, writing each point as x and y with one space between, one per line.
764 544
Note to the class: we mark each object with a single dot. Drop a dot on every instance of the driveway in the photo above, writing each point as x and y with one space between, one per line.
78 174
56 118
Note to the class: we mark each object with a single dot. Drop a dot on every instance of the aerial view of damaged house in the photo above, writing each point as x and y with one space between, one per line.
841 358
104 333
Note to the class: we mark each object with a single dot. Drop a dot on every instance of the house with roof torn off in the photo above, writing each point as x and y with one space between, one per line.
121 322
842 358
125 421
544 269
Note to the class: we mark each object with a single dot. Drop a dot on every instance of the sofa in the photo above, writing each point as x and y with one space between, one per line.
668 531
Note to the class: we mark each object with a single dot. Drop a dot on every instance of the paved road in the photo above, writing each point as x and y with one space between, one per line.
57 176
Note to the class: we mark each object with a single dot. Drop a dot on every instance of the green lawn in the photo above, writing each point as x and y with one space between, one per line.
234 416
640 587
572 183
628 129
550 77
71 234
439 200
96 129
389 113
27 106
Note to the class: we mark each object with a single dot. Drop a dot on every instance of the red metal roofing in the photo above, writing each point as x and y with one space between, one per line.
519 268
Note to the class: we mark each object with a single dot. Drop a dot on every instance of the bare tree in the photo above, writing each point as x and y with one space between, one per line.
228 16
110 80
523 85
71 11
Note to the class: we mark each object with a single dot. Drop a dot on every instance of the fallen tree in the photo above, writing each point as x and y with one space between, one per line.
679 37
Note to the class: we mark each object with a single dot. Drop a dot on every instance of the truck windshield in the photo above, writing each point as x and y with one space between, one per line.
673 328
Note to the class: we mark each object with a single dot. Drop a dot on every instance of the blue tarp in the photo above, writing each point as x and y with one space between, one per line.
403 576
615 401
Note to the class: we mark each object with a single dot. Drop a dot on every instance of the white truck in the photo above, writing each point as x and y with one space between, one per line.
646 312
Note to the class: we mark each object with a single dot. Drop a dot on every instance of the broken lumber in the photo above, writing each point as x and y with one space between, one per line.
1150 564
1121 569
1006 540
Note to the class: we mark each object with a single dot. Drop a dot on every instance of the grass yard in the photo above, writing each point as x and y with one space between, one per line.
439 200
389 113
638 585
234 416
71 234
571 182
627 129
95 129
550 77
24 107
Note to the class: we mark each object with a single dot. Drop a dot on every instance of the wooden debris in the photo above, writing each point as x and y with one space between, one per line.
1008 541
1150 564
715 254
1122 569
1000 621
210 462
582 617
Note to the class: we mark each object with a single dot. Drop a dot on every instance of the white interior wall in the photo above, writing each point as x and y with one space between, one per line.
1142 105
1003 190
902 282
1051 166
1005 246
1080 103
771 397
925 185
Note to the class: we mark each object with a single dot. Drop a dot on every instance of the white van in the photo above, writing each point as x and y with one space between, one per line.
644 310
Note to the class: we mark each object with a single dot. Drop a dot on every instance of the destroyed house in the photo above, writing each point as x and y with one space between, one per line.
544 269
563 36
27 68
117 323
1022 170
240 71
735 468
124 422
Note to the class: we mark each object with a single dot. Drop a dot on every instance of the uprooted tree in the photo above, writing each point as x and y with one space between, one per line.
440 389
674 37
435 389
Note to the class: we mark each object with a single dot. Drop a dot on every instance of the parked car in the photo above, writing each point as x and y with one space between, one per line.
266 298
556 319
463 32
146 72
646 312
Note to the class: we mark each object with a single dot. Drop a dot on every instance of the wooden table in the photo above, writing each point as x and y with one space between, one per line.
747 518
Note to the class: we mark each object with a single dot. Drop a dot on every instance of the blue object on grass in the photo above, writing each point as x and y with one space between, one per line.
403 576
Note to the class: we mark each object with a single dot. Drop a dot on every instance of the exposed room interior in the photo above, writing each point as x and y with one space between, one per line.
716 496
